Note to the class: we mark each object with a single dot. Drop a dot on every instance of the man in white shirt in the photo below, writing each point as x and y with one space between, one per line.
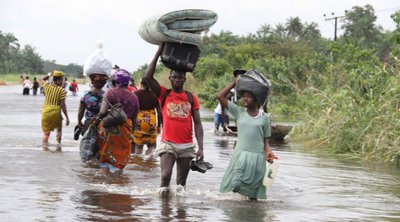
26 84
221 115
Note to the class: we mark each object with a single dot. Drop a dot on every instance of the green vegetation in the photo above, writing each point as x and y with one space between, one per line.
14 59
343 93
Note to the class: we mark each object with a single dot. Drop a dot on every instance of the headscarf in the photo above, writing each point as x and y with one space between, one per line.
98 80
122 77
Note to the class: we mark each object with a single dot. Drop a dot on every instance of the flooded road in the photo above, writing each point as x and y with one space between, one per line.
38 185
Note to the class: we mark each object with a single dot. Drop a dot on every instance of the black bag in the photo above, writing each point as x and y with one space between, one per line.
255 82
89 148
180 57
115 116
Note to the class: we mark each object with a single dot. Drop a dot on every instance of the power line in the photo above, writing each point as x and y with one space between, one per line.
334 18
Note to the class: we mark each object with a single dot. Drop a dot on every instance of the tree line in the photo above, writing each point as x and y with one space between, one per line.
26 59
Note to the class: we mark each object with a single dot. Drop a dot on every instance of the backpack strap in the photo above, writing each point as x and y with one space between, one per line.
164 97
190 98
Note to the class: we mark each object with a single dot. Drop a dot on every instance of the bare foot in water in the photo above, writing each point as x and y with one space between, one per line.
45 146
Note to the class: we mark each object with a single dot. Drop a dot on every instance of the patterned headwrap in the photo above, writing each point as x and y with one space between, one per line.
122 77
98 80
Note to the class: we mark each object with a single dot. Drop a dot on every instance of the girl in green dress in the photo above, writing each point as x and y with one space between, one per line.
246 169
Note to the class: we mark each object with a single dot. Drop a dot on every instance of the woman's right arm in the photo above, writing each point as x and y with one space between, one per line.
221 96
81 111
45 78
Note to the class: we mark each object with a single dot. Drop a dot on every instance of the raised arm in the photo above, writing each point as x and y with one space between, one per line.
46 77
221 96
151 69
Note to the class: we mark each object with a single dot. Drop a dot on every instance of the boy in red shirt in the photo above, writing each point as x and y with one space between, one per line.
179 115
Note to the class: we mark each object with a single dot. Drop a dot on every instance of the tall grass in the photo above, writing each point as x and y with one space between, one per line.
12 78
359 115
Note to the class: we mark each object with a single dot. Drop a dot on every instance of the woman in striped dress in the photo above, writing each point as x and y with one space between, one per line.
53 105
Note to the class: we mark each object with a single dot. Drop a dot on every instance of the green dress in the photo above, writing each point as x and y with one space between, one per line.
246 168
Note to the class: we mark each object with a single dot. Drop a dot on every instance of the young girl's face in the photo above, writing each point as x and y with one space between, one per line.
249 100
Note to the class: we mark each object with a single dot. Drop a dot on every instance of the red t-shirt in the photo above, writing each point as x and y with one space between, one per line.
177 117
131 88
75 86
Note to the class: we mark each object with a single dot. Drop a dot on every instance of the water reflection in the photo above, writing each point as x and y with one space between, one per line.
246 211
106 206
47 201
171 210
137 163
95 176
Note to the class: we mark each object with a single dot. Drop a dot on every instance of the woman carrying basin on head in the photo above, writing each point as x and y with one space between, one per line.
247 166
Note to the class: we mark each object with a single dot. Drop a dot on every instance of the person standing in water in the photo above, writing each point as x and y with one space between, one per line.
91 101
221 115
53 105
35 86
180 116
73 87
247 166
26 84
148 121
115 142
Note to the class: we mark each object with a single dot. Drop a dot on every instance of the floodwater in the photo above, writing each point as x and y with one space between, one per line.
38 185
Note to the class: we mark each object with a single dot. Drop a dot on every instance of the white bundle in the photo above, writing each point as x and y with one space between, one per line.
97 63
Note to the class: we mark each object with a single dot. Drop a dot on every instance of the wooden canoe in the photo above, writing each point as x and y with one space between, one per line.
279 132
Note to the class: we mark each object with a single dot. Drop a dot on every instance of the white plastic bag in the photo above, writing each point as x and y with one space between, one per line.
270 173
97 62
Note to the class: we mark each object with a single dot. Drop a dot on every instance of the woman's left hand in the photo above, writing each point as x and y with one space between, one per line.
270 156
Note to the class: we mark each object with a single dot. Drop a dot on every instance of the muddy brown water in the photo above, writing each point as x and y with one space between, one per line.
36 185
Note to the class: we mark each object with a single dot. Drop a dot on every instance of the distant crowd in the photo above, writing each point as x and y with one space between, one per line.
37 86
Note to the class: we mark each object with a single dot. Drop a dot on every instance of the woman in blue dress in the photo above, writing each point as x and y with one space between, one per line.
91 101
247 166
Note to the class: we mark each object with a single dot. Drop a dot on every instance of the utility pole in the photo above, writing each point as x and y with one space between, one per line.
334 17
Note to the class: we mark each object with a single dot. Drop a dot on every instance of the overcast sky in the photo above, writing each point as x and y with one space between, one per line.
66 30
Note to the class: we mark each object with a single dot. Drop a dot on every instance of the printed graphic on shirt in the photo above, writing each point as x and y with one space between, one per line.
179 110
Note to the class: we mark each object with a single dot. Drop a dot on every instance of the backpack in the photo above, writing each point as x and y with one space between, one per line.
71 88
